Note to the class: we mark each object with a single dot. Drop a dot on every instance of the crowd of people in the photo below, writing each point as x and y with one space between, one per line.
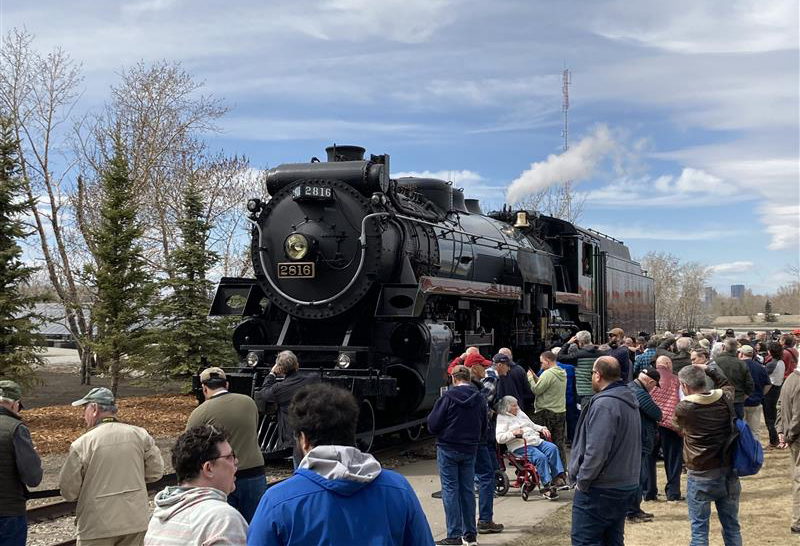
616 405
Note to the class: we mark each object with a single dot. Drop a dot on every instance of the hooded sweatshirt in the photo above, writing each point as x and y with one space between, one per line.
550 390
606 452
339 495
196 516
457 419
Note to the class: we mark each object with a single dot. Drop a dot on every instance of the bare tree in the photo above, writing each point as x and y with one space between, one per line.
558 201
161 115
690 308
38 92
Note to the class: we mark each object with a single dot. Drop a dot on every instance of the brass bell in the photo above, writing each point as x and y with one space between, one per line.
522 220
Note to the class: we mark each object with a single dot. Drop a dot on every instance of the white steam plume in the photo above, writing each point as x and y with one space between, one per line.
575 164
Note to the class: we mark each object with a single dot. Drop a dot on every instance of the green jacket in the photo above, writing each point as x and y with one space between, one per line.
237 414
550 390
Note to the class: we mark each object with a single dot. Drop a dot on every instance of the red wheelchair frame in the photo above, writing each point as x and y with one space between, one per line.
527 478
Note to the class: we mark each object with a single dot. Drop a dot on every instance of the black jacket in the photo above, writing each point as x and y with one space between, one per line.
274 397
737 373
515 383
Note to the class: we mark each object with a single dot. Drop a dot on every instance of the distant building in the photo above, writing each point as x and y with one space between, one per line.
737 291
709 294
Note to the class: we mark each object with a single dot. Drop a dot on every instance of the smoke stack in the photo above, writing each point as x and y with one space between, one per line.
345 153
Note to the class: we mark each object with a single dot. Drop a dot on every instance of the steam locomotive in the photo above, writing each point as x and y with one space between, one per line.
376 283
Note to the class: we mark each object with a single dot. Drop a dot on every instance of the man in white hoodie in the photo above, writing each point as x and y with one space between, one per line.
196 511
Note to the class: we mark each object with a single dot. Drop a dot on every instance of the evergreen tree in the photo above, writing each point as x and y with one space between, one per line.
189 335
18 340
124 286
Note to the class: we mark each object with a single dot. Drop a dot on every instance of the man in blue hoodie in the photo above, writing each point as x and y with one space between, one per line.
606 457
337 495
457 420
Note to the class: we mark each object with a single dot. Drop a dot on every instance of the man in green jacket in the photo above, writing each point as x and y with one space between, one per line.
550 404
237 415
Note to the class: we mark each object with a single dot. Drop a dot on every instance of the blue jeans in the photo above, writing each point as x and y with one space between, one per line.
546 460
246 496
13 530
485 465
644 483
457 472
598 516
724 493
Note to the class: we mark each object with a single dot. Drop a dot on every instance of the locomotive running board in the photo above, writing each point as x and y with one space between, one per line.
470 289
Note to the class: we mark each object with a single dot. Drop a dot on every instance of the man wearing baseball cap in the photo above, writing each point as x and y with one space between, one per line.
20 466
106 471
650 415
237 415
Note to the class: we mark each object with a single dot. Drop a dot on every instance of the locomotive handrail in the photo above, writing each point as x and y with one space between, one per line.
501 243
362 239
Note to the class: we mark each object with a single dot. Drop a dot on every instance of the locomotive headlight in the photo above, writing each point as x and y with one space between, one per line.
296 246
343 361
253 359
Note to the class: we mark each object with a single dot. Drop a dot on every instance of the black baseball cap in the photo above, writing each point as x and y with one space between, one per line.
652 373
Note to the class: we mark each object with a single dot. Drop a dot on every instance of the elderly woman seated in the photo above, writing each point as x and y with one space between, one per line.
515 429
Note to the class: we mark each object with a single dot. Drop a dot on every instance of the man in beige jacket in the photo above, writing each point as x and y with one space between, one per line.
106 471
788 427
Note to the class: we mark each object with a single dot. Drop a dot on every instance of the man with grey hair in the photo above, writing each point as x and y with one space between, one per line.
582 355
737 373
704 417
106 471
680 358
276 393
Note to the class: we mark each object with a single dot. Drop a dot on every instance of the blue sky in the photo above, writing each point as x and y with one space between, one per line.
684 115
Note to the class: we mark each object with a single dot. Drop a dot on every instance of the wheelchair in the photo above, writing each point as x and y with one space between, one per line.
527 478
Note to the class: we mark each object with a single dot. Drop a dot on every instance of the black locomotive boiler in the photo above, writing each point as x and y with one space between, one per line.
376 283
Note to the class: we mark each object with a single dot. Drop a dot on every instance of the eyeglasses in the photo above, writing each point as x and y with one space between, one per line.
230 456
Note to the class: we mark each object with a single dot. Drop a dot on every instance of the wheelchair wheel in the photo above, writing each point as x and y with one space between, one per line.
501 484
526 490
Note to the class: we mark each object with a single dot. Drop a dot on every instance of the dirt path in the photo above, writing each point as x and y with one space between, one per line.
764 514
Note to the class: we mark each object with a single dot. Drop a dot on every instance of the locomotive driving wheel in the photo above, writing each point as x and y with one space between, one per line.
366 425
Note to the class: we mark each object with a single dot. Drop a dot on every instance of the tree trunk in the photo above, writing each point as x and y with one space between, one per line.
115 375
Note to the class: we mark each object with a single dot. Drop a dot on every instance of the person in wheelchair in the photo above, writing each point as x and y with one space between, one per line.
516 430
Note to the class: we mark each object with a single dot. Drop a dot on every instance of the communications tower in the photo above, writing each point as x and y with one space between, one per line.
566 80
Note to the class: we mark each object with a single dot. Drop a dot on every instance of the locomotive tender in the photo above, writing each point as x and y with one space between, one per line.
376 283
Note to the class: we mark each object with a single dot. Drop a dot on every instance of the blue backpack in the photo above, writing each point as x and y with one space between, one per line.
747 456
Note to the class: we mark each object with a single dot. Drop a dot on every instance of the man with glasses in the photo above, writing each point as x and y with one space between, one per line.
196 510
106 471
606 458
237 415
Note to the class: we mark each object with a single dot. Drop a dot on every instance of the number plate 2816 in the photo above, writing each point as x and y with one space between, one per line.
296 270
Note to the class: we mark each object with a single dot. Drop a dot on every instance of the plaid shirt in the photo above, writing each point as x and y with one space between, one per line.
643 361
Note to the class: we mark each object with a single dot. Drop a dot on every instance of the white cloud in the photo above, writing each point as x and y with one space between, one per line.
474 185
576 164
690 27
728 268
331 129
